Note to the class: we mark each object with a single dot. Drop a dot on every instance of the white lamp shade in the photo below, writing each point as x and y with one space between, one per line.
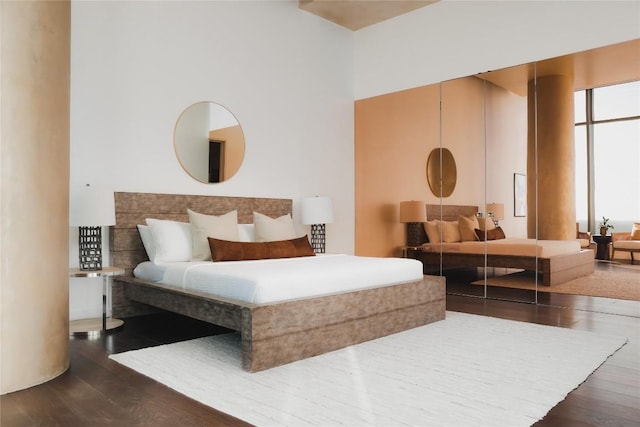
497 209
91 206
317 210
413 211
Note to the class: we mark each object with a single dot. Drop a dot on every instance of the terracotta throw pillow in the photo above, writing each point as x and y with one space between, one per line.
225 250
635 231
493 234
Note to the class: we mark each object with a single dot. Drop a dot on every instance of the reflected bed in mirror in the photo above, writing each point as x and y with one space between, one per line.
209 142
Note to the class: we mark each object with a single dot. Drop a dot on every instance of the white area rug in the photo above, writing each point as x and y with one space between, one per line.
467 370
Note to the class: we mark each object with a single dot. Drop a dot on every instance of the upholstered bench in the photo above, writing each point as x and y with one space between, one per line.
626 242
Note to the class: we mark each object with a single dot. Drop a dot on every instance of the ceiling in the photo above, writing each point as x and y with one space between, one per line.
603 66
357 14
608 65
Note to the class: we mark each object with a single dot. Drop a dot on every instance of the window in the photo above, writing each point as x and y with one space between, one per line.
582 177
608 127
615 102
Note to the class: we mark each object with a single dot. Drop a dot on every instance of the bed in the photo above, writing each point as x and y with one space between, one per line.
273 333
555 261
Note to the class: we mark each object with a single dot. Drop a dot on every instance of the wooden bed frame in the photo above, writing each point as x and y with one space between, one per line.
272 334
553 270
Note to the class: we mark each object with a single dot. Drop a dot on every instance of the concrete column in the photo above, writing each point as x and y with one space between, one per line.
550 159
34 195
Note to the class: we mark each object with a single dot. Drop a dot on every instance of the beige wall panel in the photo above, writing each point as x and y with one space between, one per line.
34 261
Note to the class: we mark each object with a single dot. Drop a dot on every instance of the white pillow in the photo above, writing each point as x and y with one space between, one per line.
432 228
268 229
450 231
172 240
223 227
246 233
147 241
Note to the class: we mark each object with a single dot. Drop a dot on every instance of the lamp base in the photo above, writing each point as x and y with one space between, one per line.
415 234
90 244
318 238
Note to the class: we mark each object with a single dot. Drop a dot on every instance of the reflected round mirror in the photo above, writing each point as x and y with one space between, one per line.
208 142
446 170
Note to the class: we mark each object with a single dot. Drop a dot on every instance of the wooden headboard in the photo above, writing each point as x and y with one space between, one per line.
447 213
133 208
450 212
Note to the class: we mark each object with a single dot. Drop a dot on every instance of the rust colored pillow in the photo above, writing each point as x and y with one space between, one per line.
225 250
493 234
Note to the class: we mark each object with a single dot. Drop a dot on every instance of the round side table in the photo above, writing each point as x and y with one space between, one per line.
95 327
602 249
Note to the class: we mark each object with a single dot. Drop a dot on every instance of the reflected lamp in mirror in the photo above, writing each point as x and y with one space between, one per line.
414 214
495 211
317 211
90 209
208 142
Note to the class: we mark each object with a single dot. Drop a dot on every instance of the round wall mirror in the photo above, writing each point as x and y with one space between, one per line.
441 164
208 142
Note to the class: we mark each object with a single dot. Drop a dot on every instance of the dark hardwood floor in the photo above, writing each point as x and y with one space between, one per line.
96 391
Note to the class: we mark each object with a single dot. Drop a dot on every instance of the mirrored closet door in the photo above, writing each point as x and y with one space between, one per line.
463 134
511 270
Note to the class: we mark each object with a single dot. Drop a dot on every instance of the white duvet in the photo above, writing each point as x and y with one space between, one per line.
271 280
511 246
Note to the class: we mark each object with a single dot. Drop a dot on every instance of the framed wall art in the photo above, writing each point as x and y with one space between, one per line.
519 194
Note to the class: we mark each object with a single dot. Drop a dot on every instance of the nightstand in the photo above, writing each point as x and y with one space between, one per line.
409 251
98 326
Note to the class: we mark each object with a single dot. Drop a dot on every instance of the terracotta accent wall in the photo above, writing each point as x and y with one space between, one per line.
34 197
394 135
463 132
233 148
551 132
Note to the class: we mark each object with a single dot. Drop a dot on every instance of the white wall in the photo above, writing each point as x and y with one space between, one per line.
454 38
192 130
289 78
284 73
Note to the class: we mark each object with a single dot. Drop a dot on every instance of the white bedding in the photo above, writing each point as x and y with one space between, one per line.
511 246
271 280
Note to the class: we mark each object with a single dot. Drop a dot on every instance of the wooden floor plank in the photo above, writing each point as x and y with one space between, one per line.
97 391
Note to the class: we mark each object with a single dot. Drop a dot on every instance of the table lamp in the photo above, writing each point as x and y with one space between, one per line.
414 214
495 211
91 208
317 211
